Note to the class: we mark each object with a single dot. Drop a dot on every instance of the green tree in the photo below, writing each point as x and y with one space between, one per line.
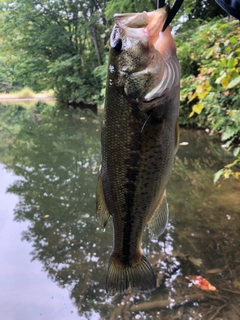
129 6
210 61
57 45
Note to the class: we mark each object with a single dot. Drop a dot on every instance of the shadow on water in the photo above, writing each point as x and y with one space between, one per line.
56 155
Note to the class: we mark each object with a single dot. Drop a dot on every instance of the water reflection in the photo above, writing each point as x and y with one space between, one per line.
57 159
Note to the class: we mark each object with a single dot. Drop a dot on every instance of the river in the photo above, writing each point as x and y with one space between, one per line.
54 255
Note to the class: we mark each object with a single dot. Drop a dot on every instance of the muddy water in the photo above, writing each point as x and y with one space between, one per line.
54 256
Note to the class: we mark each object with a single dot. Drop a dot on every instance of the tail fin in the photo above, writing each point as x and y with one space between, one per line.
139 276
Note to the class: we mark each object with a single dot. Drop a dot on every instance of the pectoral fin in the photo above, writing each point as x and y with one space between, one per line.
159 220
102 211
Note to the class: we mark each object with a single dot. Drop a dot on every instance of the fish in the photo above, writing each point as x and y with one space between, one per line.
139 141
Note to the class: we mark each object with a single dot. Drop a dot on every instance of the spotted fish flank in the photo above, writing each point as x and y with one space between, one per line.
139 142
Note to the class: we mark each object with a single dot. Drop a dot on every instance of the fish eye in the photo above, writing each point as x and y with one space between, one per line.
118 45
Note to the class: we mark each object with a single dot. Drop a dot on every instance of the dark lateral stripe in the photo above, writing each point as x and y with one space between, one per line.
132 163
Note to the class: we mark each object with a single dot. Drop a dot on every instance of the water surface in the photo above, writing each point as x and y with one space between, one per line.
54 256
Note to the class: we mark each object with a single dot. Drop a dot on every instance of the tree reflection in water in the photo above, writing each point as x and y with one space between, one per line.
57 160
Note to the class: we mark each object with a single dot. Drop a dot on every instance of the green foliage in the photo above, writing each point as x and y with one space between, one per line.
55 45
227 171
101 73
129 6
6 76
61 45
210 61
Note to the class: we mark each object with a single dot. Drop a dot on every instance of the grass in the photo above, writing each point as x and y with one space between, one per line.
27 93
27 104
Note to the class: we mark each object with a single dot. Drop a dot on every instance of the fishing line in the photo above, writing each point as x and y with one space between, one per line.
160 4
171 12
146 121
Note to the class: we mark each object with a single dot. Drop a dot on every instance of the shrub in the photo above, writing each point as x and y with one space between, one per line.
25 93
210 85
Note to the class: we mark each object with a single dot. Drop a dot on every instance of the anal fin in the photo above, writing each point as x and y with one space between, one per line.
101 208
159 220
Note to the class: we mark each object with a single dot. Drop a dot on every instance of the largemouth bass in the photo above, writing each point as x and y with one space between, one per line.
139 142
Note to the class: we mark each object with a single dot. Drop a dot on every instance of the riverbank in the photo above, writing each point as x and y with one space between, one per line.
27 99
27 94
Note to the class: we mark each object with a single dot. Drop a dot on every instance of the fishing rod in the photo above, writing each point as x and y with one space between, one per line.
171 11
160 4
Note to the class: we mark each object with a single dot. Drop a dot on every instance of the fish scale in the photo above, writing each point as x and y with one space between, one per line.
139 142
123 169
